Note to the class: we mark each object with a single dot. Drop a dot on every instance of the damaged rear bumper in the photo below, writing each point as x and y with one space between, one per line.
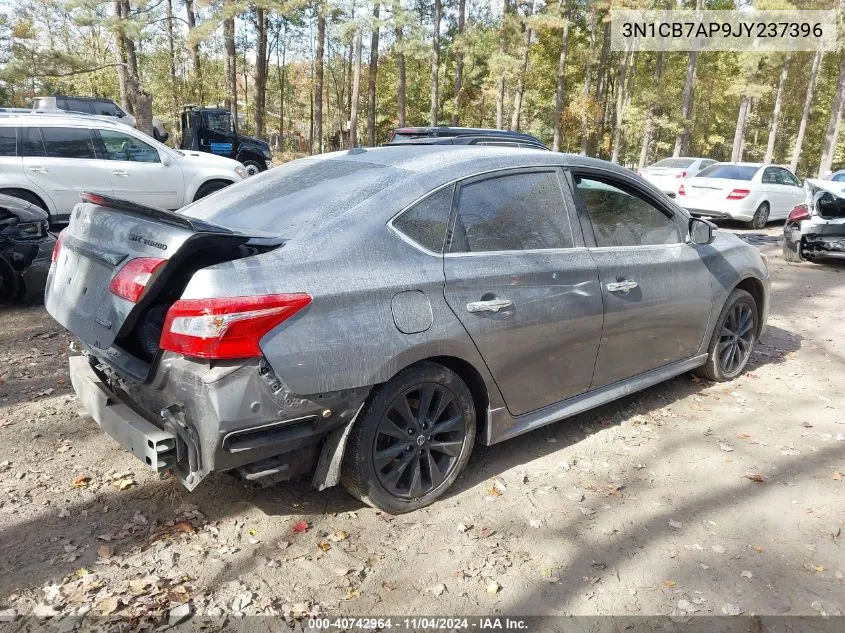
816 237
193 419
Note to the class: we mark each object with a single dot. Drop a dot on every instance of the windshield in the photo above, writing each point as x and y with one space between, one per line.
730 172
286 199
674 163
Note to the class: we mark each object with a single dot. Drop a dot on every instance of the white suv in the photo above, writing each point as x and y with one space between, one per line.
48 159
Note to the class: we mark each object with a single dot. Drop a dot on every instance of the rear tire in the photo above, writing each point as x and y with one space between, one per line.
733 339
761 217
210 187
411 440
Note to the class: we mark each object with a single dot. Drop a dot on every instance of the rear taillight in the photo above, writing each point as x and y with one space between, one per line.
132 280
799 212
683 174
681 191
57 247
738 194
226 327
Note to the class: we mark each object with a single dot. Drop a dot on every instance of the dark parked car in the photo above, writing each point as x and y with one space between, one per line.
25 249
816 228
443 135
367 316
212 130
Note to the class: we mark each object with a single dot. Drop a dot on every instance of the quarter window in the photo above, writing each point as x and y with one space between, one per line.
622 218
120 146
8 141
426 221
68 142
511 213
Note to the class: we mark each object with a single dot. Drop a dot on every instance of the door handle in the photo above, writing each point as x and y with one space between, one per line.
621 286
38 170
121 173
493 305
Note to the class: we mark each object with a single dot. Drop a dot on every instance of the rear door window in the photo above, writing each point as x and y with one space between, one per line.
426 222
68 142
622 217
513 212
31 142
79 105
772 176
8 141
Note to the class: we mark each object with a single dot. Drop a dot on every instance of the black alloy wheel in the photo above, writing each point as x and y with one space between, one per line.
411 439
736 339
419 440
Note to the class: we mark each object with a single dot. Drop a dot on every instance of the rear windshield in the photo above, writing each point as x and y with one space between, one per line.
731 172
287 199
674 163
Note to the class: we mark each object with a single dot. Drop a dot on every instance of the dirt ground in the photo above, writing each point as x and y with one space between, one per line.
687 498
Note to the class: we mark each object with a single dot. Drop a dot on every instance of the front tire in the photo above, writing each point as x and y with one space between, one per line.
760 218
411 440
733 338
254 167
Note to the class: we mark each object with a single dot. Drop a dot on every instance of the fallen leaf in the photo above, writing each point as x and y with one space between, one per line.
758 549
108 605
323 545
837 476
301 526
389 585
670 583
755 477
123 484
816 568
485 532
438 589
493 587
463 528
340 535
80 481
184 526
104 551
746 574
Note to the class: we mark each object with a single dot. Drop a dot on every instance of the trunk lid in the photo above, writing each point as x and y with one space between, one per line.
103 235
710 188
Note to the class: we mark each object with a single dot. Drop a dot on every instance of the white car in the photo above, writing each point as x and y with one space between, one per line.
754 193
667 174
49 159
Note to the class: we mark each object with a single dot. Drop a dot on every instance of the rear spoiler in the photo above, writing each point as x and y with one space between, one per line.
160 215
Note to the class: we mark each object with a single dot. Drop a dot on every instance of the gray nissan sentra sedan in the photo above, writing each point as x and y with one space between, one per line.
367 316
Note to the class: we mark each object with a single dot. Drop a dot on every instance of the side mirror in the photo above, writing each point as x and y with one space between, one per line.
165 160
163 138
701 231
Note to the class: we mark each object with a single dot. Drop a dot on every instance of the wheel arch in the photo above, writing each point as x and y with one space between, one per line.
9 191
327 472
226 182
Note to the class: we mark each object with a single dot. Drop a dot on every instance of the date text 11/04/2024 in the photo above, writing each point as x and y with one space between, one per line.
419 624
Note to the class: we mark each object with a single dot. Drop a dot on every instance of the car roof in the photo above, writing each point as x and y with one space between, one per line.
79 98
59 117
458 161
447 131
